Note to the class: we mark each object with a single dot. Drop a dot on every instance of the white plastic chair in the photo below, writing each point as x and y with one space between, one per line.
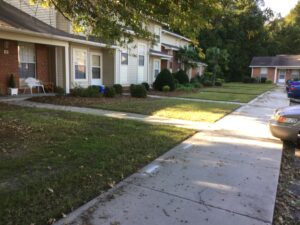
33 83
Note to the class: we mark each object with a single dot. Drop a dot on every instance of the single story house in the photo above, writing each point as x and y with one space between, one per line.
40 43
278 68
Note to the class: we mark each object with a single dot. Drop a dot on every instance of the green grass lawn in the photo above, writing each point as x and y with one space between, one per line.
235 92
52 162
169 108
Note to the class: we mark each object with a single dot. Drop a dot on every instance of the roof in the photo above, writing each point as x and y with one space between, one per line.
168 46
13 18
176 35
276 61
159 54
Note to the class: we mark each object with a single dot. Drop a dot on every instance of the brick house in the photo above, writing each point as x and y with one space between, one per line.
39 42
171 43
278 69
29 47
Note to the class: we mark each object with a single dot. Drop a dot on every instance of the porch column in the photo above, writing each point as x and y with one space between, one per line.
117 66
67 69
276 74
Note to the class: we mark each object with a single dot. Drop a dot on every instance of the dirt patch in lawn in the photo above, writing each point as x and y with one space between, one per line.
11 131
287 209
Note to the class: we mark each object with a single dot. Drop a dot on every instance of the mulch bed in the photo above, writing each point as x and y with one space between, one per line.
84 102
287 209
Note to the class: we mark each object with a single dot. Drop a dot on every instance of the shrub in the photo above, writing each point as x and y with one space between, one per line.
166 88
185 88
218 84
220 80
59 90
207 83
91 91
263 80
198 85
118 88
196 79
109 92
181 76
176 82
11 81
138 91
247 80
250 80
164 78
146 85
269 82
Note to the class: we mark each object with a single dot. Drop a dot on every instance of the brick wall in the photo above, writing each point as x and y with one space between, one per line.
8 63
164 64
288 75
270 76
176 65
42 62
174 62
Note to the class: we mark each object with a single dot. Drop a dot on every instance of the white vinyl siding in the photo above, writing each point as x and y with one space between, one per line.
62 23
171 40
27 60
47 15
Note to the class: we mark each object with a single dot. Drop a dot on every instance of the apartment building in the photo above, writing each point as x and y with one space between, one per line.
39 42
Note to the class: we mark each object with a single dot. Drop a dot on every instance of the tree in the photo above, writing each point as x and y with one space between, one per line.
189 56
285 33
123 20
217 61
239 27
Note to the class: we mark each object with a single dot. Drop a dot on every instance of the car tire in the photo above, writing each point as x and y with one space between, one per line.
298 143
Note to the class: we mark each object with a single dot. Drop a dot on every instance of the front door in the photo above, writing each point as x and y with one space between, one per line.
96 69
141 62
124 68
156 67
281 76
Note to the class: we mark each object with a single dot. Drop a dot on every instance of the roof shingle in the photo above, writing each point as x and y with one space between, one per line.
276 61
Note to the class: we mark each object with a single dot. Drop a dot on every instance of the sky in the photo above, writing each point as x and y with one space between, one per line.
281 6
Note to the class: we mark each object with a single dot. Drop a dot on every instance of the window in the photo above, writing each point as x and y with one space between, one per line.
157 34
141 60
27 61
295 74
96 66
80 64
124 58
141 55
264 72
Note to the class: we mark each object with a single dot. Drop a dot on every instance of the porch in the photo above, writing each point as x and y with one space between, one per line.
22 59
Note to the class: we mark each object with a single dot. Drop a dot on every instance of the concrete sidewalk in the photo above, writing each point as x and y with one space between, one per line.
200 126
227 175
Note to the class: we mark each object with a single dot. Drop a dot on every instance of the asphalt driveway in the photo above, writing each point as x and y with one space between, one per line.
225 175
